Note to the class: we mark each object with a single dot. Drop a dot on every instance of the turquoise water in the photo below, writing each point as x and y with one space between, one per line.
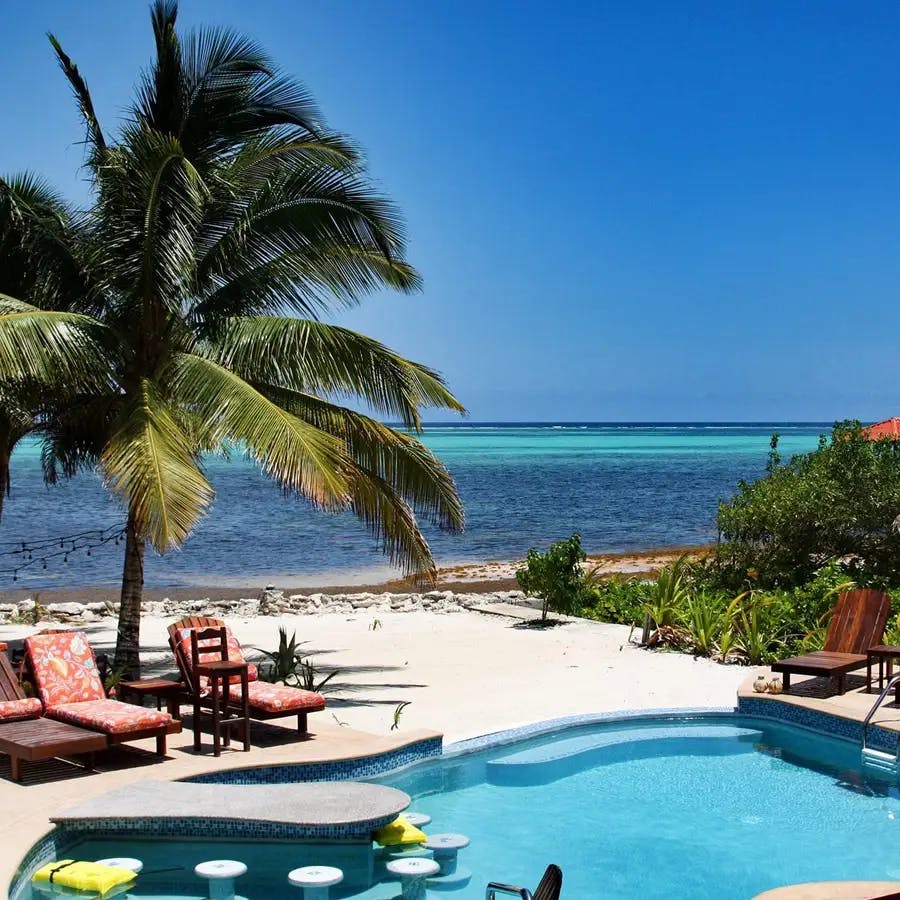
710 808
624 487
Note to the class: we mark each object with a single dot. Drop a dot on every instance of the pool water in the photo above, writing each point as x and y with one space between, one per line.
708 808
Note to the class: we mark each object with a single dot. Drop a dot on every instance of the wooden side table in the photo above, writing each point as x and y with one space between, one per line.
159 689
883 653
224 714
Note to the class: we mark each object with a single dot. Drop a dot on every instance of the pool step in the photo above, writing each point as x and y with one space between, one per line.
557 759
879 761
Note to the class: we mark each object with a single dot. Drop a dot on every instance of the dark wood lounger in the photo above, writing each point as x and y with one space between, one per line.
822 663
36 739
858 623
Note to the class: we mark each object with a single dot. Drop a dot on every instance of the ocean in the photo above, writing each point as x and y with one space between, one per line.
622 486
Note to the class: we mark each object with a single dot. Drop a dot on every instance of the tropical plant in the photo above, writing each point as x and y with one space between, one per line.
225 220
555 576
704 616
669 596
839 502
288 666
758 632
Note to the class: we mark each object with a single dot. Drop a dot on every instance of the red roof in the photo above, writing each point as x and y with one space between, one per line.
889 428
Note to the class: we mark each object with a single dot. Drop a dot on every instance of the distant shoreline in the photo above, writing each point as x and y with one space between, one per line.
472 577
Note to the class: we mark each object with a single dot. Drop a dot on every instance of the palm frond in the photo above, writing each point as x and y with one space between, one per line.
400 460
94 133
316 358
151 464
50 347
303 241
300 457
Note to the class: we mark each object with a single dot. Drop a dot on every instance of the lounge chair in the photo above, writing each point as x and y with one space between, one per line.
266 701
550 887
26 736
858 623
65 676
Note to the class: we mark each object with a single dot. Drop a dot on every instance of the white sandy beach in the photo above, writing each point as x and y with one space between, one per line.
469 673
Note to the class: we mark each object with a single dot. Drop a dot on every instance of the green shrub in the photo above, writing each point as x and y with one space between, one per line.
615 600
838 502
555 577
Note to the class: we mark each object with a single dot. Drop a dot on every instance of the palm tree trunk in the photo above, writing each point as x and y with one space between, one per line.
4 476
128 640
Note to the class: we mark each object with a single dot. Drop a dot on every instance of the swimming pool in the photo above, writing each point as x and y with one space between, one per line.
700 807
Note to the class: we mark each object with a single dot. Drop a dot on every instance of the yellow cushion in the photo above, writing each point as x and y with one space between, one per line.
399 832
84 876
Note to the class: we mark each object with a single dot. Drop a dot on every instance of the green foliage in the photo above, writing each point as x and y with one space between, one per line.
555 576
287 666
704 615
615 600
839 502
670 594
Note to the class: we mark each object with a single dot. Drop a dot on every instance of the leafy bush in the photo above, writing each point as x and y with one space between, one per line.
841 501
614 600
555 576
287 666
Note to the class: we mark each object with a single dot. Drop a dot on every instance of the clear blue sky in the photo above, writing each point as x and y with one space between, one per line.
621 210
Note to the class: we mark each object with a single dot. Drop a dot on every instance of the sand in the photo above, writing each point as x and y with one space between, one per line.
469 673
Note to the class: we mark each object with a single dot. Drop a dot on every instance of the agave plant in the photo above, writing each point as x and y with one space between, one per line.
670 594
287 665
704 616
226 219
759 634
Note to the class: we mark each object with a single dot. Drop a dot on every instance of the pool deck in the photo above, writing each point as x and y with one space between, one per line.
818 695
49 789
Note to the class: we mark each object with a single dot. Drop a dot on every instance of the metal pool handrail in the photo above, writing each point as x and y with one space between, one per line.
887 689
494 887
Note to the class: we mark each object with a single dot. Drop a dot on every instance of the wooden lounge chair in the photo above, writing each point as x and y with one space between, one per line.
65 676
266 701
550 887
857 623
26 736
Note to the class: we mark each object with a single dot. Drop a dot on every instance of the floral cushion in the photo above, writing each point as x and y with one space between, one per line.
109 716
275 698
26 708
209 650
63 667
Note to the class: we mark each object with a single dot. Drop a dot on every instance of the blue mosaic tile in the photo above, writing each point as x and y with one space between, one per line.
336 770
815 720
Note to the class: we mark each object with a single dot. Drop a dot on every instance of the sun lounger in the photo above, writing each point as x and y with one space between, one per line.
65 676
550 887
858 623
266 700
26 736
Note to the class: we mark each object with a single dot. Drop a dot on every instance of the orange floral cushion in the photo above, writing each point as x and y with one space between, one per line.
209 650
63 667
109 716
26 708
275 698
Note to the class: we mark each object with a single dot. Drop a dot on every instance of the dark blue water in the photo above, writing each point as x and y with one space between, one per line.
624 487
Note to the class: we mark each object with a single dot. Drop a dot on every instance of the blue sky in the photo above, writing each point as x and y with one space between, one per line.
627 211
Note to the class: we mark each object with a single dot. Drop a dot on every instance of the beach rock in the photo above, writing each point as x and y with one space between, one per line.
98 607
24 606
7 608
65 610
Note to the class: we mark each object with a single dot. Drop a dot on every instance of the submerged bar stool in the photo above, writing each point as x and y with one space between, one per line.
413 874
417 820
123 862
315 880
220 874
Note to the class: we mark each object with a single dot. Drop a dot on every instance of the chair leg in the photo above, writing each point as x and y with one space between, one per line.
786 681
15 768
196 723
301 723
161 744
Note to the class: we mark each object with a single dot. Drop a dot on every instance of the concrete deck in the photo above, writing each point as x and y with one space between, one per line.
51 787
318 804
819 694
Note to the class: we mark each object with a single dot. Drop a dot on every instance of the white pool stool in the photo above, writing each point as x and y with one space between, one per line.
445 848
413 874
315 880
123 862
220 874
417 820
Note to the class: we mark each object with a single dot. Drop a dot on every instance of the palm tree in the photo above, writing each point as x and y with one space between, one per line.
226 219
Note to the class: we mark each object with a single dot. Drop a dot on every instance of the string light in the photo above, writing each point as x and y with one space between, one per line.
28 553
